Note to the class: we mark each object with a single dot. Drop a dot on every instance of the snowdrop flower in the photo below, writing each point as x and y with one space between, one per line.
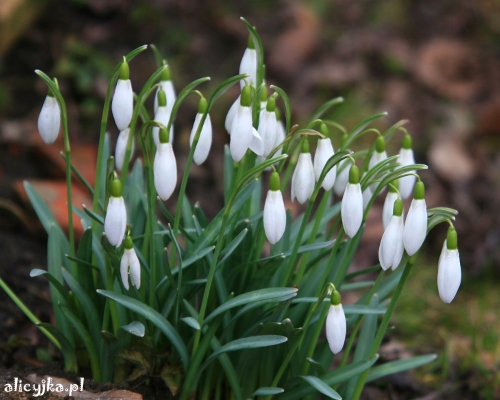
121 148
230 114
243 135
324 151
406 157
378 156
303 176
335 324
122 105
352 204
248 64
263 101
268 126
115 221
205 138
342 173
449 270
49 120
274 211
129 264
391 247
168 87
162 115
391 197
280 133
415 229
367 195
165 167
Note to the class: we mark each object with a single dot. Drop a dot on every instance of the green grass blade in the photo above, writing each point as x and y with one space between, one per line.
394 367
322 387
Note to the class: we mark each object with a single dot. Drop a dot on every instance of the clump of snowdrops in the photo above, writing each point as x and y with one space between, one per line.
233 307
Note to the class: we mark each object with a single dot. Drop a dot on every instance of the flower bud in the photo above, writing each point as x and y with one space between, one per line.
115 221
406 157
165 169
449 269
303 175
324 151
391 246
205 138
274 211
415 229
121 148
335 324
248 64
130 264
352 204
49 120
122 105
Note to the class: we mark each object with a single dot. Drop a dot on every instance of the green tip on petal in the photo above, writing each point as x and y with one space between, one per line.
116 188
398 208
165 74
419 191
271 104
250 44
164 136
162 98
246 96
263 93
394 186
202 105
354 174
407 142
335 299
305 146
124 71
129 244
451 239
274 181
380 144
323 129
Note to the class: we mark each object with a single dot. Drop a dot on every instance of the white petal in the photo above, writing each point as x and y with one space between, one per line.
352 209
121 148
415 229
406 183
274 216
115 221
323 152
165 171
241 133
204 141
135 269
162 115
400 247
124 267
248 66
122 105
228 123
388 207
449 274
336 328
367 195
280 136
390 244
168 88
268 129
303 178
49 120
257 144
342 178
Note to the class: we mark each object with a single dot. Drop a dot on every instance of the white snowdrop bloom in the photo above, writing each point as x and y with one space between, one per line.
449 269
49 120
367 195
256 144
324 151
342 177
121 148
406 157
228 123
352 204
274 211
415 229
242 131
335 324
129 264
248 64
122 105
391 247
115 221
391 197
268 126
165 167
303 175
205 139
162 115
377 157
167 86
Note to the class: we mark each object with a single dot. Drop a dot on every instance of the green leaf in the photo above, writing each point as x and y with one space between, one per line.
267 391
232 246
359 127
67 349
322 387
193 323
356 285
93 215
288 107
60 288
394 367
222 88
324 108
267 295
135 328
155 318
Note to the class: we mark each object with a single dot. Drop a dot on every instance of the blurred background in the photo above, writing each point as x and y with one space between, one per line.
433 63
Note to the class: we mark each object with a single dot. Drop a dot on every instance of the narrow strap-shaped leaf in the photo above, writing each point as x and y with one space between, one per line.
359 127
267 391
324 108
60 288
394 367
93 215
232 246
67 349
322 387
135 328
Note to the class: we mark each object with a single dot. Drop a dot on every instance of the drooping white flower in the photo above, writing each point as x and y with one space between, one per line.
391 247
274 211
115 221
129 264
367 195
165 167
335 324
352 204
121 148
391 197
228 123
303 175
415 229
205 138
377 157
342 177
122 105
268 126
406 157
449 269
324 151
248 64
167 86
162 115
49 120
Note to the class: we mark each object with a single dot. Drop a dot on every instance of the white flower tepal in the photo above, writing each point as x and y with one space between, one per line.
115 221
205 139
268 126
352 204
122 105
162 115
303 176
324 151
165 167
121 148
406 157
449 270
415 229
391 246
336 324
391 197
49 120
241 127
248 64
130 265
274 211
167 86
